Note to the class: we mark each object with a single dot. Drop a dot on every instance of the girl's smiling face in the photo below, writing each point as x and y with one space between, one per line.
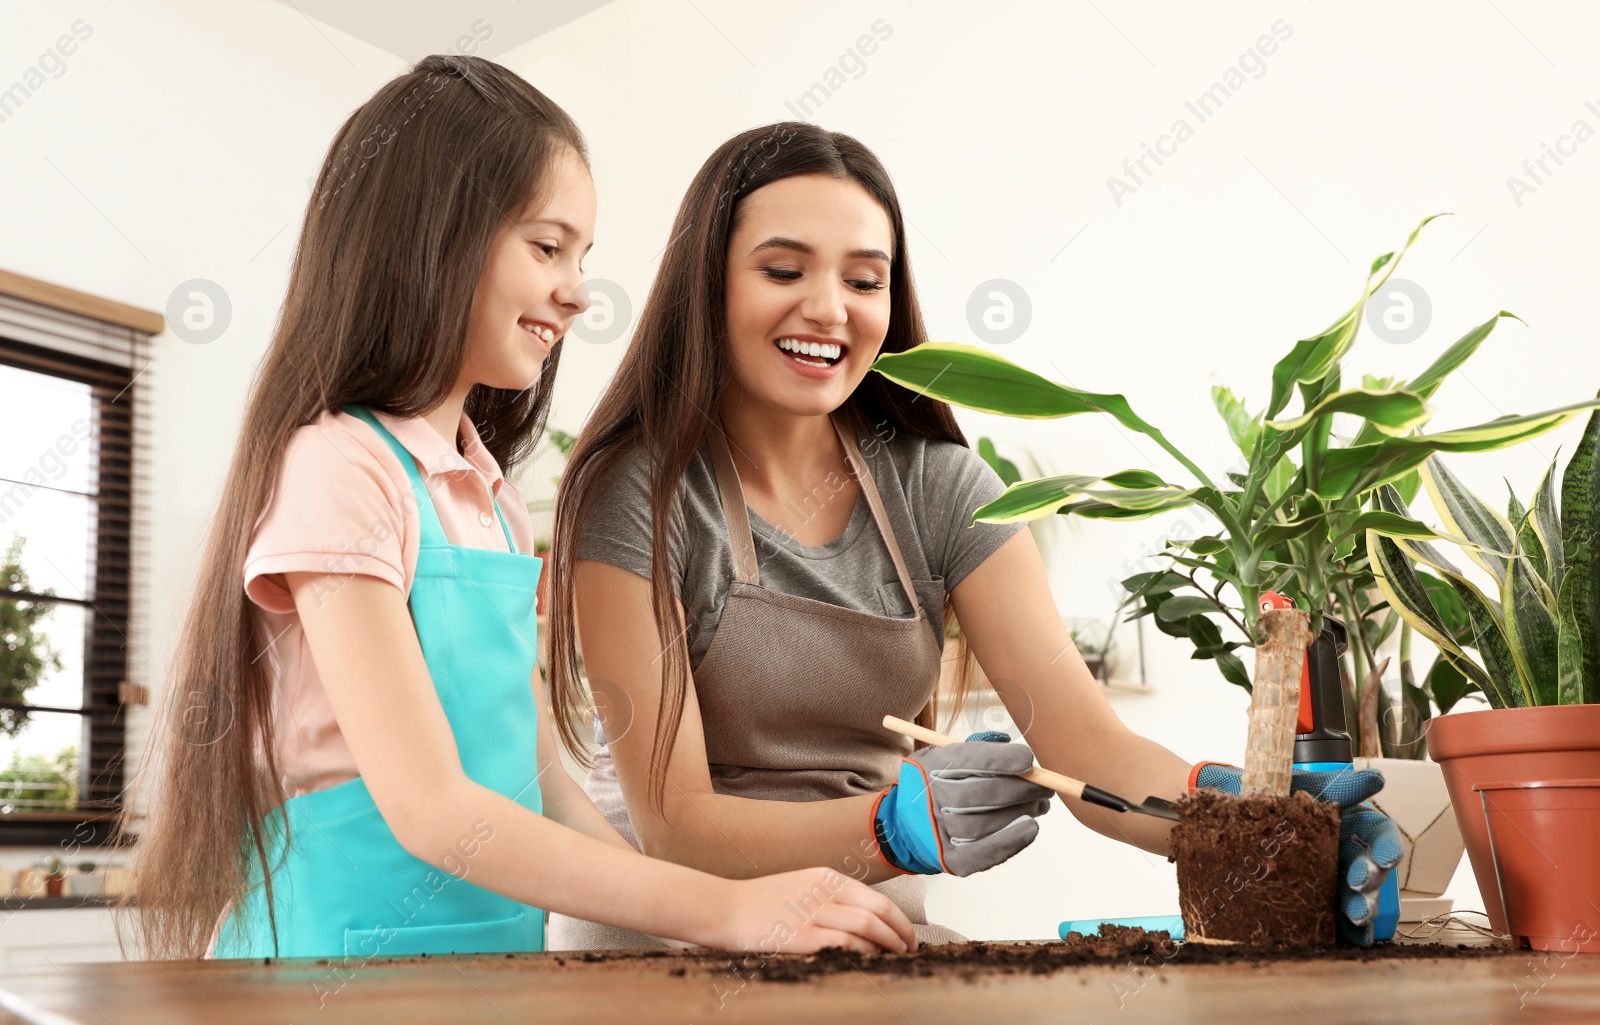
531 288
808 292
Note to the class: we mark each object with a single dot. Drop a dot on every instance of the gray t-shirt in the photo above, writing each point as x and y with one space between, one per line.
930 490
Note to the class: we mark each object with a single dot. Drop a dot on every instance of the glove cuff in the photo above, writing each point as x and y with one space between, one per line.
880 837
1199 767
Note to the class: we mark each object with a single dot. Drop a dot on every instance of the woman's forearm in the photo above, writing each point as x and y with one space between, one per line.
738 838
1131 767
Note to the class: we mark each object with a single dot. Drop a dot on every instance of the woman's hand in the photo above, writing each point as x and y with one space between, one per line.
960 809
804 911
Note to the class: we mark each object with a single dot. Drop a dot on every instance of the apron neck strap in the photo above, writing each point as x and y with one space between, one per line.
738 520
431 531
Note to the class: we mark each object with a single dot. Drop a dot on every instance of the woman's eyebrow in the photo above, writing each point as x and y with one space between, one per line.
783 242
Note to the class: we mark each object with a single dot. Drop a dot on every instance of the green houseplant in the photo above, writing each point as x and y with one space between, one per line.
1535 633
1290 522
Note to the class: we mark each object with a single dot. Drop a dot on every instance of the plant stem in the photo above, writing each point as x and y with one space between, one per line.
1220 606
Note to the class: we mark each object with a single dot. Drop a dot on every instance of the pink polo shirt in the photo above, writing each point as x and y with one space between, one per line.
342 505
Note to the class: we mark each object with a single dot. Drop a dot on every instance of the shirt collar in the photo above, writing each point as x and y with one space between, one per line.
439 458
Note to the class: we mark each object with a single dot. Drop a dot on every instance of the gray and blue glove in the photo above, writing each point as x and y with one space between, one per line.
1369 842
961 808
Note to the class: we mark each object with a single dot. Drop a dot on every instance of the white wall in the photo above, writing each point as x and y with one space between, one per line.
179 141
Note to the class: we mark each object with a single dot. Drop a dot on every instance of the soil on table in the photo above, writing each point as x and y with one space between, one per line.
1113 946
1258 869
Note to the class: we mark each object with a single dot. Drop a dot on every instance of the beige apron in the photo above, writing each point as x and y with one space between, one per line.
792 695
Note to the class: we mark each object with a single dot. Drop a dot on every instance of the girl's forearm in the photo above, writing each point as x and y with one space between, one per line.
474 834
739 838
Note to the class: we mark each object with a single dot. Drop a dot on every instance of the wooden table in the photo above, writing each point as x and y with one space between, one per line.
1524 989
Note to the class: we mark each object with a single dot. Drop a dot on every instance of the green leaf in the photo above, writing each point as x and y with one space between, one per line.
1136 479
1243 426
1427 382
1546 524
1531 629
1178 608
1500 676
1233 670
1569 646
1528 541
1363 467
1397 579
1391 412
1004 468
1154 582
1580 541
1207 636
1210 544
1408 486
1288 530
1311 358
1452 611
1447 684
1403 587
1470 517
1142 493
1216 566
977 379
1395 525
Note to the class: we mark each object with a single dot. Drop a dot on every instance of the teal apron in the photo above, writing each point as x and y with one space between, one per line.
343 885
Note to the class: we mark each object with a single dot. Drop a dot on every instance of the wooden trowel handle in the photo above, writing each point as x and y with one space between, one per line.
1042 776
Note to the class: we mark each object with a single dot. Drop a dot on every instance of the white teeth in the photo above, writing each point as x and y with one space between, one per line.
544 333
827 350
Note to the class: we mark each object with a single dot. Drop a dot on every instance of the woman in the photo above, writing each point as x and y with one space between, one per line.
742 690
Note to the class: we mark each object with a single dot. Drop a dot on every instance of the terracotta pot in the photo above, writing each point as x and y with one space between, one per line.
1501 745
53 883
1543 834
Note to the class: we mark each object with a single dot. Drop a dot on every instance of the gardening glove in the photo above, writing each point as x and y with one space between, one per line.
960 808
1369 842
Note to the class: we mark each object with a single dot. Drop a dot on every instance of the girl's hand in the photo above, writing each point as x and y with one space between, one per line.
804 911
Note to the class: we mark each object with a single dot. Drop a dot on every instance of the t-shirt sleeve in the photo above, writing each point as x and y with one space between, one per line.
961 483
334 508
617 528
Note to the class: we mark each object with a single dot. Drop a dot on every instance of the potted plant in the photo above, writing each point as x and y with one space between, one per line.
1534 635
54 876
1387 730
1285 525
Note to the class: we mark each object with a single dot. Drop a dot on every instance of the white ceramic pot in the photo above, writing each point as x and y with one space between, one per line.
85 884
1415 797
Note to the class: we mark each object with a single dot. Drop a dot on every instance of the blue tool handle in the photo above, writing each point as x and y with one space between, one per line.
1172 924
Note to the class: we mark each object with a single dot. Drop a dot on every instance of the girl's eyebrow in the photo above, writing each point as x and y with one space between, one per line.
563 225
782 242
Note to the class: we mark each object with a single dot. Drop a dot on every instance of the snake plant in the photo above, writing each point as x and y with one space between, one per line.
1537 633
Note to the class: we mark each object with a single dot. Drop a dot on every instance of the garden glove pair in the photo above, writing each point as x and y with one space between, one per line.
961 808
1369 842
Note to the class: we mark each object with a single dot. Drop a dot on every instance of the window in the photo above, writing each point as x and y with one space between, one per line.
70 459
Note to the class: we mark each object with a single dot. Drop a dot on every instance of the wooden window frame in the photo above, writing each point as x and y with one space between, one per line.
119 391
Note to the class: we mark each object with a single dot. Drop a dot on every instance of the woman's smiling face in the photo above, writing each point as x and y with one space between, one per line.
808 292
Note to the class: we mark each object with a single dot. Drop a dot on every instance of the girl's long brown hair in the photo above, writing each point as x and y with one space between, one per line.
671 381
415 188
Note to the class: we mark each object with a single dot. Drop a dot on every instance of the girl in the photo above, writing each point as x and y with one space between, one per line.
356 760
758 542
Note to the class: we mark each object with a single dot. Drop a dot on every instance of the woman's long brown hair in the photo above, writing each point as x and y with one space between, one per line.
671 381
415 188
